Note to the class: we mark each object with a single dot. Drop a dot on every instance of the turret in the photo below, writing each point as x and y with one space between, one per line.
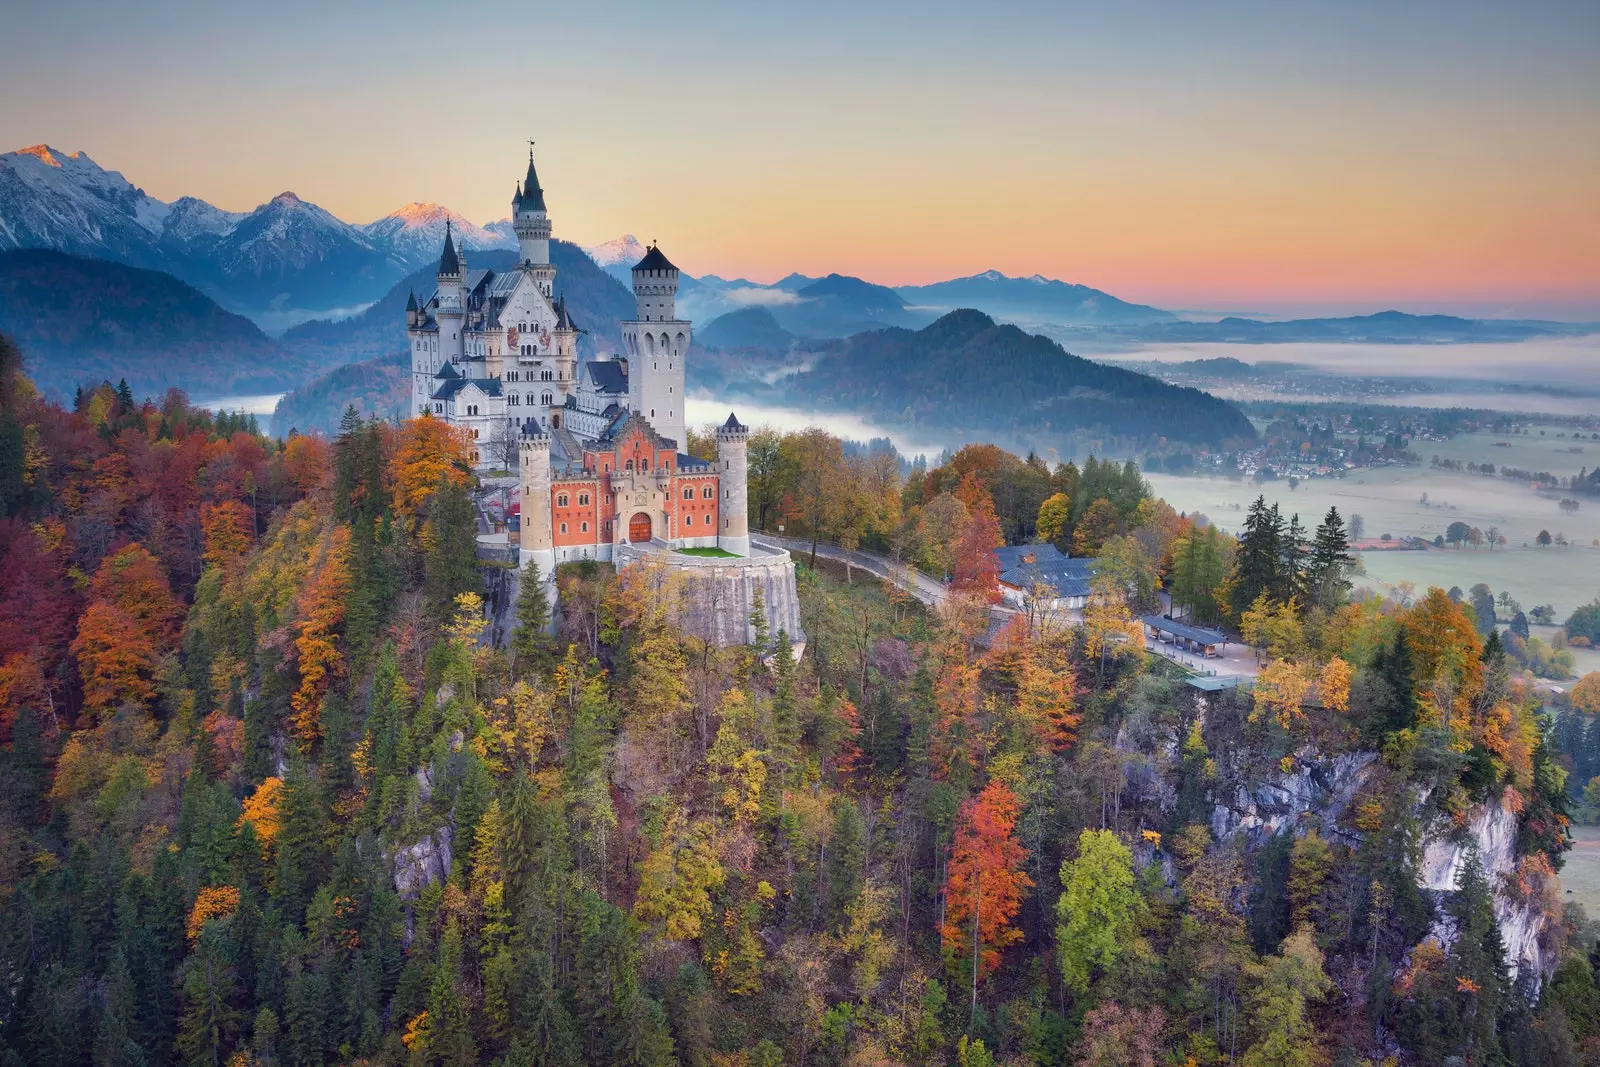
411 311
452 310
537 540
566 345
657 343
531 223
733 531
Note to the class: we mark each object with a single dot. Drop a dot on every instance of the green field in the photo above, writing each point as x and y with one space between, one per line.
1580 874
1389 500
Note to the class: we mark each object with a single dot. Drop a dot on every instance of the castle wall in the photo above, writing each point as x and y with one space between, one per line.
719 593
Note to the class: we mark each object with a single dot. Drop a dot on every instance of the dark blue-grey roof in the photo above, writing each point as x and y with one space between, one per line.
448 371
449 262
1198 634
411 301
732 423
448 389
687 462
532 195
1025 566
607 376
654 260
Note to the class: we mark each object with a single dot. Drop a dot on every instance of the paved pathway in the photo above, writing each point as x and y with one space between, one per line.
913 581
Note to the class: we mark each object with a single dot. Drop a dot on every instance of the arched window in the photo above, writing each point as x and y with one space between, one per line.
547 399
688 520
563 527
583 527
561 500
688 494
583 499
628 466
707 493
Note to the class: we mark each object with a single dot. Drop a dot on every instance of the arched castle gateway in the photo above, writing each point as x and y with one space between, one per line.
597 443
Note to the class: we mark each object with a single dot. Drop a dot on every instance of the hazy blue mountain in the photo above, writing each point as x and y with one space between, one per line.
1035 299
380 387
414 234
81 321
1386 327
967 374
752 327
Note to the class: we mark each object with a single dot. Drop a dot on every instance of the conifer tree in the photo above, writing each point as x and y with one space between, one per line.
1328 562
1258 567
531 647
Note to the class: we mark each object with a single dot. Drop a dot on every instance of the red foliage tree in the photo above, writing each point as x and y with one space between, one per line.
977 569
984 889
116 658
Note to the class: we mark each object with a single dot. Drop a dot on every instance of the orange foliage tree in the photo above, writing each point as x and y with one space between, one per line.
322 613
307 461
116 658
984 889
228 528
212 902
134 582
261 811
1444 644
430 452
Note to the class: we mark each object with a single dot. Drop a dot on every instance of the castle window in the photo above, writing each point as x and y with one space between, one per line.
629 466
563 527
688 520
707 493
438 409
546 399
583 527
561 500
688 494
583 499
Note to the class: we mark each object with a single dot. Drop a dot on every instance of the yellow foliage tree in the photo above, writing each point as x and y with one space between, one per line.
212 902
676 879
322 614
1334 686
261 810
1280 691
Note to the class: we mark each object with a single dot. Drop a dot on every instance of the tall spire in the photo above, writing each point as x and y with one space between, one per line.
532 194
449 262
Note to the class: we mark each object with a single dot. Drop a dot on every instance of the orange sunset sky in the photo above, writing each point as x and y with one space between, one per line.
1234 156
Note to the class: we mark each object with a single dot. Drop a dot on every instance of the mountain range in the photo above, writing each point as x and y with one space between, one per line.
1034 299
279 263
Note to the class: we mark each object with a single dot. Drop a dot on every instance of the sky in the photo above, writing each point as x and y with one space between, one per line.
1269 157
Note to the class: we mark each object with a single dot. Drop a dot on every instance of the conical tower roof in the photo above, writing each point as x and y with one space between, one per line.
449 262
532 196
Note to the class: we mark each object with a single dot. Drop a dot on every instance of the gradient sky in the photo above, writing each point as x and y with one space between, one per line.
1233 156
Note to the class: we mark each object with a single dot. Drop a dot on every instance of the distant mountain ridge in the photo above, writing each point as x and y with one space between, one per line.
1035 298
967 375
1385 327
80 321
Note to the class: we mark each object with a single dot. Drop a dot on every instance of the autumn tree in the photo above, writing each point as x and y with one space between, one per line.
429 452
1054 513
322 609
985 883
1293 977
1099 524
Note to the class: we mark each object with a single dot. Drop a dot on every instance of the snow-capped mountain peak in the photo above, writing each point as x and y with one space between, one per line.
415 233
622 251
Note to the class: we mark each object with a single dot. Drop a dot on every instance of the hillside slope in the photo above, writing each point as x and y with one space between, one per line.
1035 299
81 321
968 374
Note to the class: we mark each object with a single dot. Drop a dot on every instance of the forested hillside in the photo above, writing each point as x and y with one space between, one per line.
82 320
268 796
967 374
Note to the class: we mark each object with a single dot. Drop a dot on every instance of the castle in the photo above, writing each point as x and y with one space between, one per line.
599 444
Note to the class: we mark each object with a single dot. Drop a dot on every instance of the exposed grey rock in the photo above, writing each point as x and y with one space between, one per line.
422 864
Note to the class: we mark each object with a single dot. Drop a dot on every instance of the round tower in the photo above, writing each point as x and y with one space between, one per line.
537 543
657 343
452 310
733 474
531 223
565 336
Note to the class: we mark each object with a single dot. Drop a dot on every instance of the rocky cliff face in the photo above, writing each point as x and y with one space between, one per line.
1325 788
1520 909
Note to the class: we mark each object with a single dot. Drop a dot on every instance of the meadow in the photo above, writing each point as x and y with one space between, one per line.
1390 500
1580 874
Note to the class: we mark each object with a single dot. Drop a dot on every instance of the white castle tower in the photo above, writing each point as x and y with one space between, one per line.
531 222
537 541
452 311
657 341
733 478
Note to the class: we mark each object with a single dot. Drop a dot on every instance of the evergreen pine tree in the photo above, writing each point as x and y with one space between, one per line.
451 564
532 648
1258 565
1329 562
